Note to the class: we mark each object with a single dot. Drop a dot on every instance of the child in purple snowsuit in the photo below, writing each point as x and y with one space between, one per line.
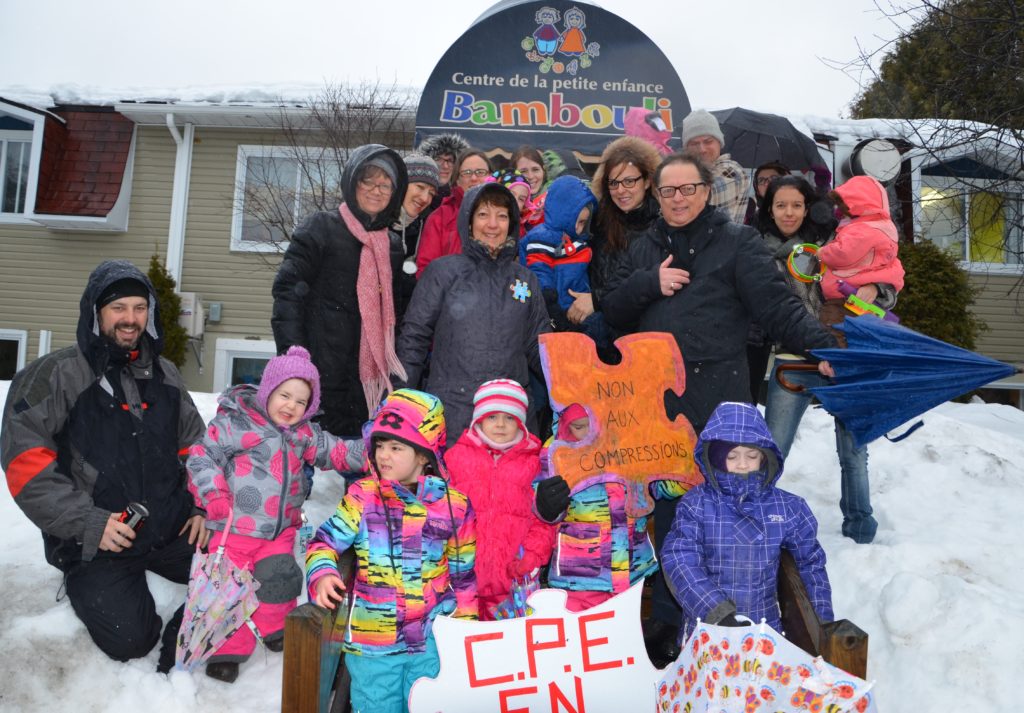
249 464
721 556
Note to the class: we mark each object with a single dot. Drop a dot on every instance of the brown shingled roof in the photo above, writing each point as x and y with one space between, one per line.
83 161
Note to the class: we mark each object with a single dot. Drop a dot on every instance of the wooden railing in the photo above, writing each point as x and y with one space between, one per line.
841 643
313 679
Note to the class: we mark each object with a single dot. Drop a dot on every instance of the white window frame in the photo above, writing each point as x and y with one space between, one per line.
38 122
1007 188
21 337
245 152
227 350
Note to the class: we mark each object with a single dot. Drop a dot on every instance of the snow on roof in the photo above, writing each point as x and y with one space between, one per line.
208 95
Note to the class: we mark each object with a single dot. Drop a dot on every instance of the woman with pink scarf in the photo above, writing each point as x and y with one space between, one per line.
334 293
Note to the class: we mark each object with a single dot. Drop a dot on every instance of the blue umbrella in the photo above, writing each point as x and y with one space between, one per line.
889 374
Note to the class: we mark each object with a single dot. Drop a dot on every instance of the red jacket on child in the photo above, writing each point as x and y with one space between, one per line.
501 493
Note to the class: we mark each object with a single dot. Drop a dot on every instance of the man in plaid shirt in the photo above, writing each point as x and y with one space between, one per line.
703 136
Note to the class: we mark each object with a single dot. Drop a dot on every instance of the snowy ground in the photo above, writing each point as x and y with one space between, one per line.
939 592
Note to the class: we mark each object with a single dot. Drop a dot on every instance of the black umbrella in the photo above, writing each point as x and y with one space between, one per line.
753 138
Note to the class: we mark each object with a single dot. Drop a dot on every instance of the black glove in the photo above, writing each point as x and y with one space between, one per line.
731 620
552 498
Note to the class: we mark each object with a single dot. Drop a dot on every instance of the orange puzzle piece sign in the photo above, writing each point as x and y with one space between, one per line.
631 439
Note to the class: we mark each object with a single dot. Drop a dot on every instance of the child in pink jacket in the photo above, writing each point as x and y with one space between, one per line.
495 463
866 242
249 465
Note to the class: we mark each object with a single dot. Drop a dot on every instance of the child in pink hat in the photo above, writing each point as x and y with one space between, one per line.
248 468
495 463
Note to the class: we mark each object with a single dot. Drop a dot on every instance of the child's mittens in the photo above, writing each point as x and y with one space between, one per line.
218 509
552 498
519 568
355 454
731 620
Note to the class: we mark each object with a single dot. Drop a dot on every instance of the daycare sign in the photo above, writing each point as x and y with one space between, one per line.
553 661
553 74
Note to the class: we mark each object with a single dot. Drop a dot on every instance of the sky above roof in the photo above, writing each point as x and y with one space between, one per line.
777 56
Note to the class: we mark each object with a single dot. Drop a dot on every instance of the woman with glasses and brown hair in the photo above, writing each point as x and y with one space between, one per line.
335 292
440 236
625 209
702 278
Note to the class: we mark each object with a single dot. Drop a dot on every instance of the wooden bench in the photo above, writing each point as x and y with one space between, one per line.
841 643
1010 383
313 679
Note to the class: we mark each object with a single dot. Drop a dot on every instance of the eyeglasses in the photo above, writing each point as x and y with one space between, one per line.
445 160
687 189
765 180
467 172
627 182
384 189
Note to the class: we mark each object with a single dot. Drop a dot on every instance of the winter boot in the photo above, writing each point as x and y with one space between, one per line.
226 671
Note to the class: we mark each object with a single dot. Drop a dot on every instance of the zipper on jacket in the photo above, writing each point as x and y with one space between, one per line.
558 556
285 475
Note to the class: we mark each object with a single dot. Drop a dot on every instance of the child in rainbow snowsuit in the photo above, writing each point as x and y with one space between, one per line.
415 542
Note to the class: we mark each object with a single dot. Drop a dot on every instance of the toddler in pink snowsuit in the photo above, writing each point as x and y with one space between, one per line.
249 464
495 462
866 242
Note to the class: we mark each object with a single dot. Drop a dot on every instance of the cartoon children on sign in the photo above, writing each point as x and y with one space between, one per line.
547 34
574 42
631 441
545 41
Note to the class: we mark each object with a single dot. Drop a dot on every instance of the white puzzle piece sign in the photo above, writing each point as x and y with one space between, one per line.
553 661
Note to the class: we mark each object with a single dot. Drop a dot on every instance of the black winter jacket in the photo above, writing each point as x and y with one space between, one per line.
315 303
87 430
604 266
482 316
732 281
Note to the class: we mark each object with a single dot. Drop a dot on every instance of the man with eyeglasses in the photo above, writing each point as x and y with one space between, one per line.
703 137
444 149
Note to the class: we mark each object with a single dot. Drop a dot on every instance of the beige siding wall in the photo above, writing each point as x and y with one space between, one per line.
240 281
43 272
1000 303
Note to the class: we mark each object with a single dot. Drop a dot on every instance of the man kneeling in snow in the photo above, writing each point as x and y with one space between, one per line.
88 430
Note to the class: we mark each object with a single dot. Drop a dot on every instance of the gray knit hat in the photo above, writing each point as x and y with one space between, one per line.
701 123
422 169
384 163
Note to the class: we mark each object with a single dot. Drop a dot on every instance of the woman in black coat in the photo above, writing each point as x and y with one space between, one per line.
703 278
625 209
480 312
316 304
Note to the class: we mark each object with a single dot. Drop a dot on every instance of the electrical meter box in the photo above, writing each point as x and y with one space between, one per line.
191 315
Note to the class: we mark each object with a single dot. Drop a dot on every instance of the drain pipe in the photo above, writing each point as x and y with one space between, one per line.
179 197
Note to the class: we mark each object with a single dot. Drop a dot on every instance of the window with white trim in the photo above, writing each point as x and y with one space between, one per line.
240 361
15 156
978 226
276 188
13 350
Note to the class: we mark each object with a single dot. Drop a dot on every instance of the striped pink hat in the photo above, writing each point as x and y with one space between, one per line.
501 396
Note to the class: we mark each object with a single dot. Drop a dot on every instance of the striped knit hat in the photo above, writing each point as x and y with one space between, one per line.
501 396
422 169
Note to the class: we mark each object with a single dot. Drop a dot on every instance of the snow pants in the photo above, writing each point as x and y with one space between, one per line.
110 595
381 684
273 564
